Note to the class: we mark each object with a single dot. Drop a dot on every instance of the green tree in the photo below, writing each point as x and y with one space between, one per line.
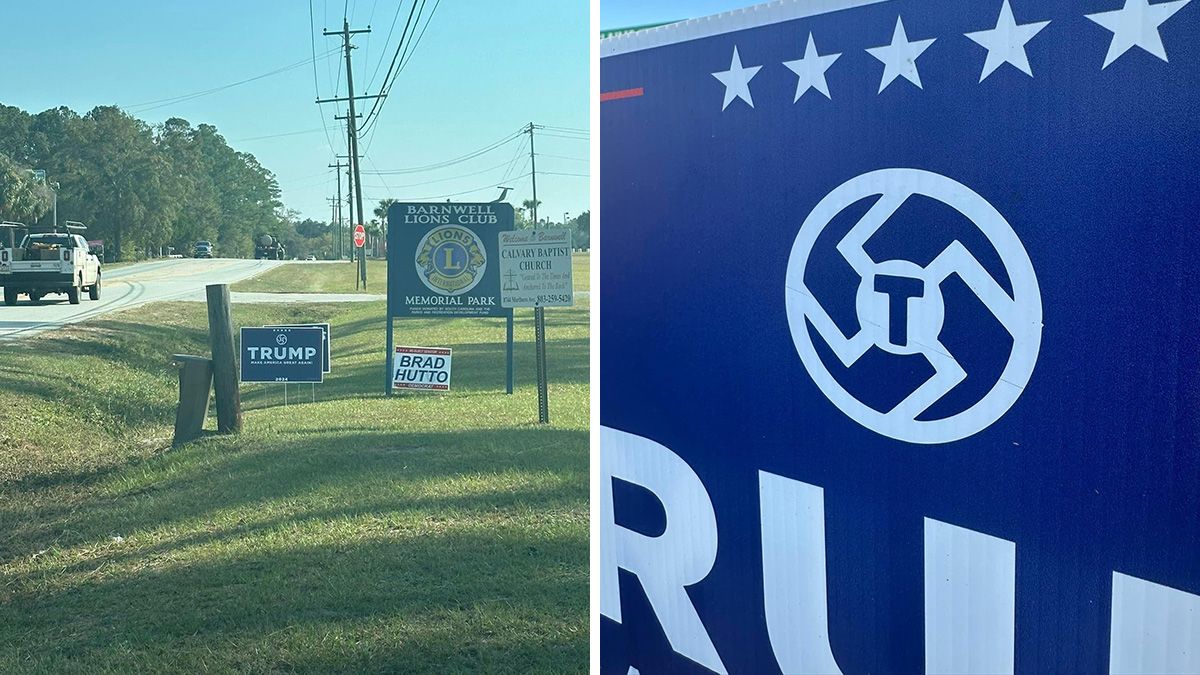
22 198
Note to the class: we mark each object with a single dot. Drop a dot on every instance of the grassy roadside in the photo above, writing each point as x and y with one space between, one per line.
307 277
355 534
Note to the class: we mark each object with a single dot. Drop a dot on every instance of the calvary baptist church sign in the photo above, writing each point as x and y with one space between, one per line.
938 409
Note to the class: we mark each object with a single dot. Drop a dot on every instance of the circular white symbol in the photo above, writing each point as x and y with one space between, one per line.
900 308
281 339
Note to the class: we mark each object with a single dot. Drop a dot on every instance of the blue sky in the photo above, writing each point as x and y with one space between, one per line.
479 73
624 13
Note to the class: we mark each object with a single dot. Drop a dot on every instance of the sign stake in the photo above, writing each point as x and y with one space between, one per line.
539 329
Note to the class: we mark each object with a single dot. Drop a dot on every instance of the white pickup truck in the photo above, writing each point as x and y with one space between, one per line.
49 262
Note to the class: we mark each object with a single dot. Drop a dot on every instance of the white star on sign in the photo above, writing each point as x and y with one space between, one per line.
1006 42
1136 25
900 57
811 70
737 80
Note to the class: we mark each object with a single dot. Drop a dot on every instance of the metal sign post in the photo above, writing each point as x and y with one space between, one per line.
539 330
535 268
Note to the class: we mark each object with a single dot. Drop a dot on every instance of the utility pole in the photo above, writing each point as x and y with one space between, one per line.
352 130
349 176
338 212
539 312
533 170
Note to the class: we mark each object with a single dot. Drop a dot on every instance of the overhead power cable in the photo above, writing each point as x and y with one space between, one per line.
312 40
163 102
395 59
490 186
410 49
457 160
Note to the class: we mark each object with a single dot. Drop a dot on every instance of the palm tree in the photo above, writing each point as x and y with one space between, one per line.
531 206
382 209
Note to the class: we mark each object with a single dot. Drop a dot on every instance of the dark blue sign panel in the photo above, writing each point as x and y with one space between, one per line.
443 259
901 343
326 361
282 354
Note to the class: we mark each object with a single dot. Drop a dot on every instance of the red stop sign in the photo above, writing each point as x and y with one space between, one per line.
360 235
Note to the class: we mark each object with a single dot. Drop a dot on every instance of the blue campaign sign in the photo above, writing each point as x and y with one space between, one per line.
282 354
326 360
917 387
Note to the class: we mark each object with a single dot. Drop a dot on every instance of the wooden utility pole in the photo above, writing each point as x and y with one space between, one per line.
224 360
340 238
352 132
539 312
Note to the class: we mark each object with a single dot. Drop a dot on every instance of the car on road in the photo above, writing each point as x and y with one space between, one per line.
202 249
311 257
50 262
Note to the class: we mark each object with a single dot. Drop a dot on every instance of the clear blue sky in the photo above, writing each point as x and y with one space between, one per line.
482 70
625 13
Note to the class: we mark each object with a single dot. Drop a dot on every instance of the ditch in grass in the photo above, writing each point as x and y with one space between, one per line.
443 533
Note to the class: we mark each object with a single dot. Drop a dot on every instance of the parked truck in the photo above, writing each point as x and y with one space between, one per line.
267 247
57 260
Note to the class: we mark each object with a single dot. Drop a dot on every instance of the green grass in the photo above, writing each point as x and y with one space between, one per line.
300 277
320 277
443 533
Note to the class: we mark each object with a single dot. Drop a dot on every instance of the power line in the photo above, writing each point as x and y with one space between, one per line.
404 59
490 186
457 160
387 42
565 129
435 180
573 159
395 57
163 102
312 39
573 138
559 173
281 135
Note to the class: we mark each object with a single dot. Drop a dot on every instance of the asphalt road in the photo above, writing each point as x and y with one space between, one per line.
125 287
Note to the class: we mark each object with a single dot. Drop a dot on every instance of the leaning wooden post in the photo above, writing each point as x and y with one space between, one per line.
224 360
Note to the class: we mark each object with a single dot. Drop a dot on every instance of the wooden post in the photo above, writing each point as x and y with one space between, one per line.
224 358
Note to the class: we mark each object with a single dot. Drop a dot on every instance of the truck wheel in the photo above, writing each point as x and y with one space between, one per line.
73 295
94 290
10 296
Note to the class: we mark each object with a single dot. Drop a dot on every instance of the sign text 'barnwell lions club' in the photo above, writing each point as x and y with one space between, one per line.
938 410
442 259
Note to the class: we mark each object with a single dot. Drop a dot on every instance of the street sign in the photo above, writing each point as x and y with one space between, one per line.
535 269
360 235
326 362
282 354
421 369
900 340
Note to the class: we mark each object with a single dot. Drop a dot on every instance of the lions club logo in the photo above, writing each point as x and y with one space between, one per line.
450 260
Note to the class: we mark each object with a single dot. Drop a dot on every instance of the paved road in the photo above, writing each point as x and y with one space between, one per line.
124 287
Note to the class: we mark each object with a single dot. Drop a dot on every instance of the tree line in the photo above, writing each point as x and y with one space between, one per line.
137 186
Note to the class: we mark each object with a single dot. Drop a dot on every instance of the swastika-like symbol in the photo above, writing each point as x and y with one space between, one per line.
281 339
900 307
